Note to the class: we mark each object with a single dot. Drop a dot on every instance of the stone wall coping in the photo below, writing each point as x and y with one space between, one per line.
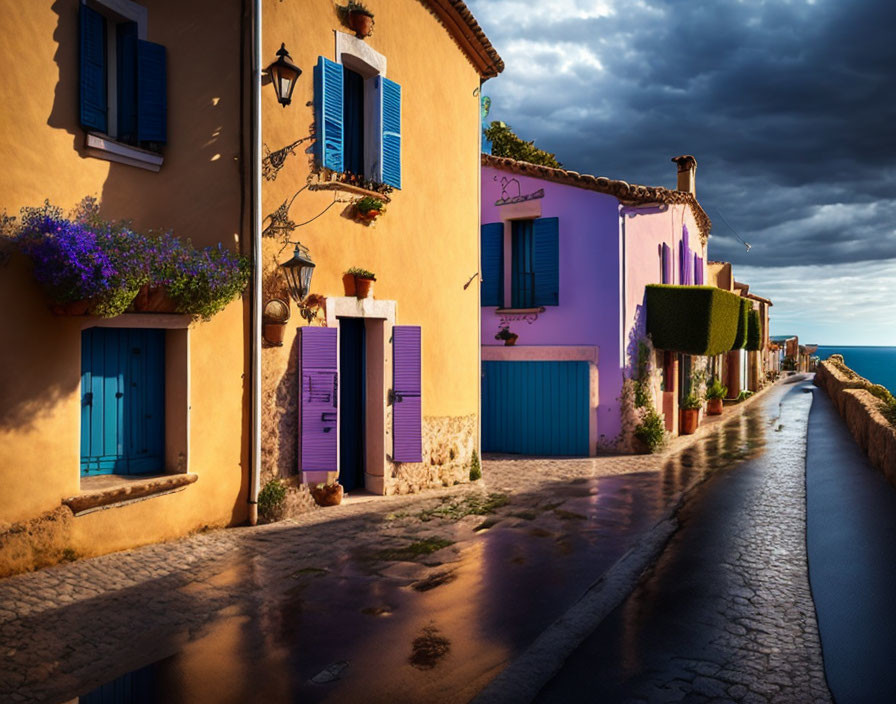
126 490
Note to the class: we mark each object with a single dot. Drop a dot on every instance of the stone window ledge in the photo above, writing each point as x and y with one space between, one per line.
110 490
349 188
102 146
519 311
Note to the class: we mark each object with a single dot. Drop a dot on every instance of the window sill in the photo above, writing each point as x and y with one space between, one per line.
111 490
102 146
348 188
519 311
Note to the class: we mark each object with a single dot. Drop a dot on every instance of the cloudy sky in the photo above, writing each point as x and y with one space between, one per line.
788 106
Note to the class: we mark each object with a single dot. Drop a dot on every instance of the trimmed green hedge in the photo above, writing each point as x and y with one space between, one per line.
698 320
754 332
741 338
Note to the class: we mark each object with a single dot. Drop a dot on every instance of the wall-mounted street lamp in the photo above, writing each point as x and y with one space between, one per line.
284 74
298 272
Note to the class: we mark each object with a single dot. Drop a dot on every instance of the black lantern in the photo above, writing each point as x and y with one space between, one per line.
298 272
284 74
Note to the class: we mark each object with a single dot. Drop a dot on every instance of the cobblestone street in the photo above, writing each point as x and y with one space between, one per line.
440 590
726 614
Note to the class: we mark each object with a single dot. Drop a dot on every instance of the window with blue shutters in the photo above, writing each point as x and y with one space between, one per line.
492 255
535 263
357 118
123 79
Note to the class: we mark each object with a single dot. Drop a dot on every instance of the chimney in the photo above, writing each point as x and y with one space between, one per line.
687 173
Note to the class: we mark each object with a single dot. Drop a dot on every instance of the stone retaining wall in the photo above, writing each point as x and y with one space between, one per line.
35 543
861 411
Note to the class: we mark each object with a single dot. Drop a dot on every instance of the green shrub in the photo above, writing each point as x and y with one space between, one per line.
744 395
361 273
697 320
475 468
506 143
368 203
691 403
652 431
716 390
272 500
754 332
743 320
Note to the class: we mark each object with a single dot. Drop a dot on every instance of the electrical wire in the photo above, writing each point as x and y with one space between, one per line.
742 240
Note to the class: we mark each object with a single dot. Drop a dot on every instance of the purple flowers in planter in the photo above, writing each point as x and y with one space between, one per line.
84 258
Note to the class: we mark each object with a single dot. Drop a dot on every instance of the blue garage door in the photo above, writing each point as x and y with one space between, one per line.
535 408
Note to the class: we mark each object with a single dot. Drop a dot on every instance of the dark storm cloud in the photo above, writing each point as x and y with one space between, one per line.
789 108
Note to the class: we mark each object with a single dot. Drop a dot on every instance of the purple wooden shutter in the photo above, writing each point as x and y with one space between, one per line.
698 270
318 400
687 277
667 264
407 412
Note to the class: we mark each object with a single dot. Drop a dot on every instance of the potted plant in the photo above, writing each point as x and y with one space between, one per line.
327 494
363 281
509 338
359 19
274 319
369 208
714 396
690 414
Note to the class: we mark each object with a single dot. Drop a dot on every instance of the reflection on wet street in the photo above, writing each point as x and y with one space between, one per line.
430 621
726 612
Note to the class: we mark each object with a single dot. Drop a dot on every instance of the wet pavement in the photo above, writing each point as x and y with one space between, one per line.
852 560
726 614
418 599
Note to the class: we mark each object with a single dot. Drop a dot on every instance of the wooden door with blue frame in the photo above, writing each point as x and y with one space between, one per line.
122 401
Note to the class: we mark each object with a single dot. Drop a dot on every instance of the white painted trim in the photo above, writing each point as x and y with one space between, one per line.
105 147
537 353
165 321
527 210
361 57
351 307
126 10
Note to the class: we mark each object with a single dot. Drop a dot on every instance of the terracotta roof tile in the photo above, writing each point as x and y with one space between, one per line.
459 21
625 192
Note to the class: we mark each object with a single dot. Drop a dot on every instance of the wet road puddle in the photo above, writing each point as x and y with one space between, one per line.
439 607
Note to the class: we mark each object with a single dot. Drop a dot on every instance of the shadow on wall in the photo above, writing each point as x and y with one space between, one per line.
280 421
199 187
32 333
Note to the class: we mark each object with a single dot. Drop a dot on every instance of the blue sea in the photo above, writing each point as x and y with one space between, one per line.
875 363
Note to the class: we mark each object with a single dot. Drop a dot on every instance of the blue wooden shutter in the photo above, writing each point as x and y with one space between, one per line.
667 264
152 93
328 85
492 277
407 412
318 399
390 94
546 264
94 102
126 75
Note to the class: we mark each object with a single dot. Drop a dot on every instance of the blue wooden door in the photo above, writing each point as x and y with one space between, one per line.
535 408
352 367
122 401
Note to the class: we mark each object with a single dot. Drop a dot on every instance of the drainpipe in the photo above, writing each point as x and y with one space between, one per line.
479 269
255 349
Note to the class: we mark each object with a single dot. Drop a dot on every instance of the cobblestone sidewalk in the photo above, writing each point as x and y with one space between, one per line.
67 629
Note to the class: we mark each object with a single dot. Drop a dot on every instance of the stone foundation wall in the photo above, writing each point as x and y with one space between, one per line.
448 444
861 411
39 542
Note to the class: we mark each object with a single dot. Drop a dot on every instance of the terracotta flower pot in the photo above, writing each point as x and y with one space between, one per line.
361 24
363 287
273 333
714 407
689 420
369 216
348 283
71 308
154 299
511 341
328 495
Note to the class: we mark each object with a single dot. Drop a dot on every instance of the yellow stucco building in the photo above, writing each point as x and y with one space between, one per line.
415 82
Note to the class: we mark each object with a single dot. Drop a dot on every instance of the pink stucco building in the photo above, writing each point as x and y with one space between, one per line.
565 261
